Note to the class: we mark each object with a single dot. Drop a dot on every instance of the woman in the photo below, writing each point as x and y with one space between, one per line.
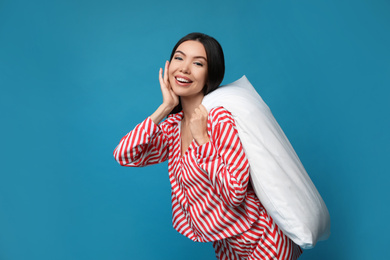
212 199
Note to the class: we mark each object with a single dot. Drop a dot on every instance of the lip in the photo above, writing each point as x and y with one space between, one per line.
183 83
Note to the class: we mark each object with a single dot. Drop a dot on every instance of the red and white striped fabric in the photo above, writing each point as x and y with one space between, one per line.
212 199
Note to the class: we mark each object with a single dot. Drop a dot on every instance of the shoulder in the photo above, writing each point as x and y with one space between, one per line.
220 115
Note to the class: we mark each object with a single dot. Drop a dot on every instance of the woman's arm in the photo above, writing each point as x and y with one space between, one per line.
146 144
224 160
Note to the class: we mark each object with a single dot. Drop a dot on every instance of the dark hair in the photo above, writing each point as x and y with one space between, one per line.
215 61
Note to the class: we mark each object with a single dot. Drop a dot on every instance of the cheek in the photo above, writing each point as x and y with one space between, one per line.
172 68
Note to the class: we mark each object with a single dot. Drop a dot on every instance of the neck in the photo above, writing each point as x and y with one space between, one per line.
189 104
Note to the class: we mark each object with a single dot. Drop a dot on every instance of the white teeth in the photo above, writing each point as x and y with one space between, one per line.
183 80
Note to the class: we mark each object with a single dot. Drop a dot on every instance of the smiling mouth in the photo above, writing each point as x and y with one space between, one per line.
183 80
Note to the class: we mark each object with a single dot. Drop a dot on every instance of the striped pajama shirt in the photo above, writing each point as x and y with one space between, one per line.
212 199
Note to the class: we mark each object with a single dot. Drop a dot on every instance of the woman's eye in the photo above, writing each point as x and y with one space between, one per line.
178 58
198 64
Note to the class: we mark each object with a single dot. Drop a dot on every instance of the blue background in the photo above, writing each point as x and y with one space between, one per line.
76 76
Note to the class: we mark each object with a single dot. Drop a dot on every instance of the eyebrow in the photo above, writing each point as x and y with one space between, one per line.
196 57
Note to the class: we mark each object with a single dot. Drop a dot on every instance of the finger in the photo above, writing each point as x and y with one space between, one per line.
166 71
160 78
203 110
197 112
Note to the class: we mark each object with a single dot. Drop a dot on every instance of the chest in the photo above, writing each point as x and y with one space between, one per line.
184 171
185 138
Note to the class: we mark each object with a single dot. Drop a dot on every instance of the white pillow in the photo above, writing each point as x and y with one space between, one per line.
278 176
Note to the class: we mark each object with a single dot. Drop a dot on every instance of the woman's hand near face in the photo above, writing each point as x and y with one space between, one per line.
170 99
198 125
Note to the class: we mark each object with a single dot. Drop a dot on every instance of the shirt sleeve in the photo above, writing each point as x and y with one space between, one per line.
146 144
224 160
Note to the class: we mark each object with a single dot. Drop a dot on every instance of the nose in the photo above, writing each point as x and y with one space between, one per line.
185 68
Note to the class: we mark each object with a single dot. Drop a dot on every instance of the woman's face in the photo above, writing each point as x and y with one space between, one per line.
188 69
